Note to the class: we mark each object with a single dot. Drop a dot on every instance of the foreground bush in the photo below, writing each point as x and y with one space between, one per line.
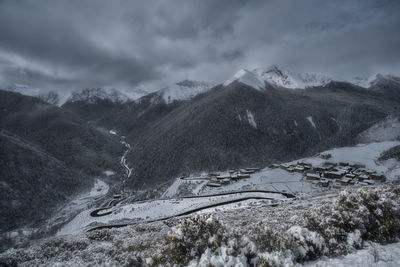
356 216
203 239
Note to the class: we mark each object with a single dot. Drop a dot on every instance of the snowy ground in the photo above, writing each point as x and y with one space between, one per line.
155 210
386 130
122 246
373 255
184 187
79 203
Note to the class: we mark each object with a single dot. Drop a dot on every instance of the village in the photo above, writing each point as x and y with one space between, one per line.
328 174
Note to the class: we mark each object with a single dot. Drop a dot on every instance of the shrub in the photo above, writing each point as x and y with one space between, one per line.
367 213
190 239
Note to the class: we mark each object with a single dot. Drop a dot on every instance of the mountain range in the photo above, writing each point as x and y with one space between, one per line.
254 118
251 120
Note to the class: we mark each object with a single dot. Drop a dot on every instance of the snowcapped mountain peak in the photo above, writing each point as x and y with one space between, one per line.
246 77
183 90
93 95
278 78
275 69
366 82
282 78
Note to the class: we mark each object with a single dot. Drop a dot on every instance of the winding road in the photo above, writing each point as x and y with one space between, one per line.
96 213
238 197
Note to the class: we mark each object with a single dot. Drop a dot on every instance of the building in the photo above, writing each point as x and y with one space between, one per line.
330 164
369 181
320 169
350 175
244 171
284 166
213 184
221 177
253 169
376 176
363 177
324 155
334 174
324 182
307 167
345 181
298 168
312 176
357 165
225 181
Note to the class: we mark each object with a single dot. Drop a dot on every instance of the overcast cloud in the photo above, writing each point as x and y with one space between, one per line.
131 45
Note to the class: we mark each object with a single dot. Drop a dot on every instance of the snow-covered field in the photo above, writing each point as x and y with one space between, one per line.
155 210
79 203
385 130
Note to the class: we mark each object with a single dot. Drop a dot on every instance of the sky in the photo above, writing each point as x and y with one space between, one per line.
137 46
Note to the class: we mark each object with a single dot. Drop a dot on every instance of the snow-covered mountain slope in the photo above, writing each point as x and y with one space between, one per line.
246 77
93 95
278 78
386 130
287 79
363 81
183 90
23 89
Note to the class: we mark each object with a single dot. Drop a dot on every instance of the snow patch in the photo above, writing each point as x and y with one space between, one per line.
373 255
365 82
310 119
109 173
250 119
386 130
183 90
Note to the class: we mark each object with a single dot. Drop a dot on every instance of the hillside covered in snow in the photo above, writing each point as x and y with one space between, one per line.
302 231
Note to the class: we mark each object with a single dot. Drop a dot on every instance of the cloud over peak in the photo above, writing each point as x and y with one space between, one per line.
66 45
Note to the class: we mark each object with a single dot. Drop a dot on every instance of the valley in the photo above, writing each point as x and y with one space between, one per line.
269 185
199 133
247 145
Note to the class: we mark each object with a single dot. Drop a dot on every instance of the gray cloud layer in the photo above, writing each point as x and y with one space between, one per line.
66 45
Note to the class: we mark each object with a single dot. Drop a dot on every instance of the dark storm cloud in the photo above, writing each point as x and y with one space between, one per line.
67 45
